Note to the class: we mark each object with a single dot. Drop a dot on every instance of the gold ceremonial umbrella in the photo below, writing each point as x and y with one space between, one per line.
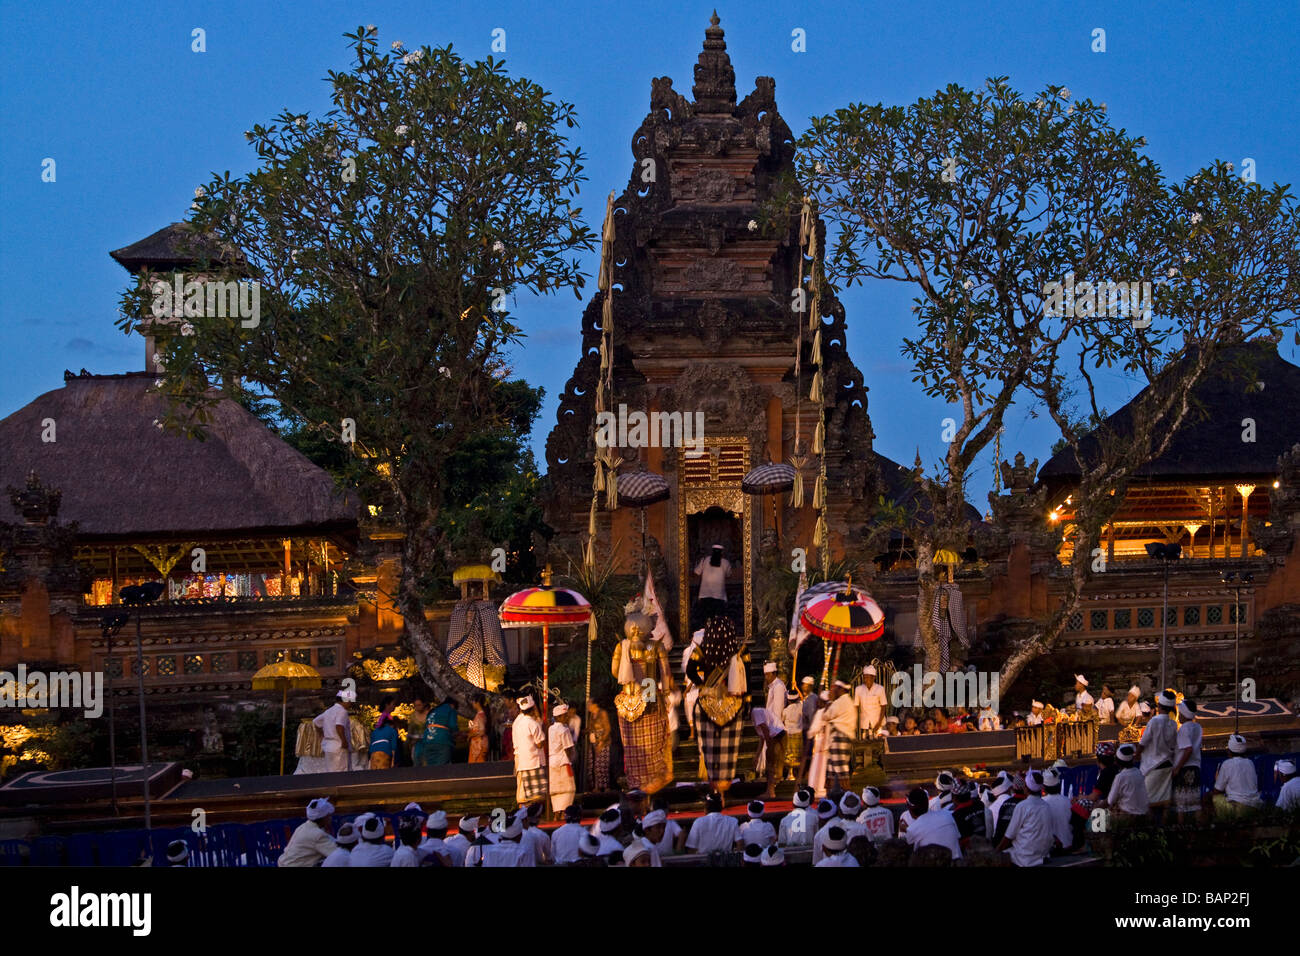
281 676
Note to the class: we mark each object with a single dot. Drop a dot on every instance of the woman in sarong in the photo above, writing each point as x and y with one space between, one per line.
640 665
715 666
478 733
599 733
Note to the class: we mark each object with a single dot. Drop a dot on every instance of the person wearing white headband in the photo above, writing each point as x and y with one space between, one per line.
561 756
1236 785
458 843
876 821
1128 793
335 727
1035 713
528 740
1032 832
834 847
774 856
435 838
1156 751
798 827
1001 793
870 699
311 842
178 853
1061 809
1288 798
715 831
565 839
372 851
509 851
347 837
1187 762
756 829
1080 688
1127 711
638 854
944 783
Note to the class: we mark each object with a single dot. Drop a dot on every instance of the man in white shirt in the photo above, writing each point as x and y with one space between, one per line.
435 839
692 691
1187 763
607 830
870 700
372 851
1031 835
756 829
771 753
1080 689
1128 794
528 739
834 847
534 838
944 783
407 853
1001 793
1156 750
931 827
827 813
712 572
1035 714
1106 705
1288 798
799 826
508 852
1127 711
458 844
561 754
657 834
346 839
713 832
565 838
876 821
336 733
1236 779
1059 807
311 842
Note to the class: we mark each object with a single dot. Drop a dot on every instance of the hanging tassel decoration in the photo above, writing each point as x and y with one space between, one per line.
796 492
819 493
819 439
817 348
815 393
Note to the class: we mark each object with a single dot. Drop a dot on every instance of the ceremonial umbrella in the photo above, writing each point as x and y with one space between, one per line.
640 489
769 479
545 606
466 573
849 616
281 676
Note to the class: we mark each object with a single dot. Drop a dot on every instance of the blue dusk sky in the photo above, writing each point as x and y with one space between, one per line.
135 120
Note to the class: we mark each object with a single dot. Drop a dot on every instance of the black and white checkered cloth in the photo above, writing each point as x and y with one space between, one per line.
720 746
839 758
531 785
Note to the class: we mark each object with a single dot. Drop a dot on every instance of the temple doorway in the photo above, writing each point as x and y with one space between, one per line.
716 525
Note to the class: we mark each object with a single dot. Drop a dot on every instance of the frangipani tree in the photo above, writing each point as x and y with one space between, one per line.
386 239
988 206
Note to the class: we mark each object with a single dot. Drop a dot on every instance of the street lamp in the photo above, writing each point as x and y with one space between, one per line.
110 624
1235 583
138 595
1165 553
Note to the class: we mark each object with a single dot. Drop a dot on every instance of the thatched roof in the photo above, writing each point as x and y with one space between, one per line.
123 477
171 247
1209 445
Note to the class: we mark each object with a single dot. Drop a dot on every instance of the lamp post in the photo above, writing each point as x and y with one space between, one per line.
1236 582
110 624
1165 553
137 596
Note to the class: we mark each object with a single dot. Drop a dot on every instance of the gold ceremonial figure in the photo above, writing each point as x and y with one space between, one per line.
640 665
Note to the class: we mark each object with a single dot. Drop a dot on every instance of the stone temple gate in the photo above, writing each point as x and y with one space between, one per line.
703 325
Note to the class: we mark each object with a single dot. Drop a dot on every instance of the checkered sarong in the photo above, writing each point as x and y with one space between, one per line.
793 750
644 754
531 785
839 758
720 746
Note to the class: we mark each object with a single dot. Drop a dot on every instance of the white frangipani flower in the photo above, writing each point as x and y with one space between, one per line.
1065 92
1172 272
1196 217
1186 257
521 127
401 130
157 424
498 246
968 285
415 56
818 168
187 329
753 226
300 122
1229 167
200 193
397 44
444 371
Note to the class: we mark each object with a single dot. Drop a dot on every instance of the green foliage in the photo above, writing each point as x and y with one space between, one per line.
257 743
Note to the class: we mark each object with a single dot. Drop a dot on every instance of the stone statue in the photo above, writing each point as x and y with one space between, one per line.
640 665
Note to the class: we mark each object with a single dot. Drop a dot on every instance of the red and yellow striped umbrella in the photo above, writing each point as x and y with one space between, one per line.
545 605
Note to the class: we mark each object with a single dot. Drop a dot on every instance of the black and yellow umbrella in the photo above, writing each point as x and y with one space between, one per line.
849 616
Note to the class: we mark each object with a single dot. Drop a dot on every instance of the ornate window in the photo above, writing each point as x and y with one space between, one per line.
135 669
325 656
1146 617
1233 610
273 657
300 656
248 660
1075 622
1191 616
1214 614
1123 618
167 666
220 662
192 664
114 668
1097 620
